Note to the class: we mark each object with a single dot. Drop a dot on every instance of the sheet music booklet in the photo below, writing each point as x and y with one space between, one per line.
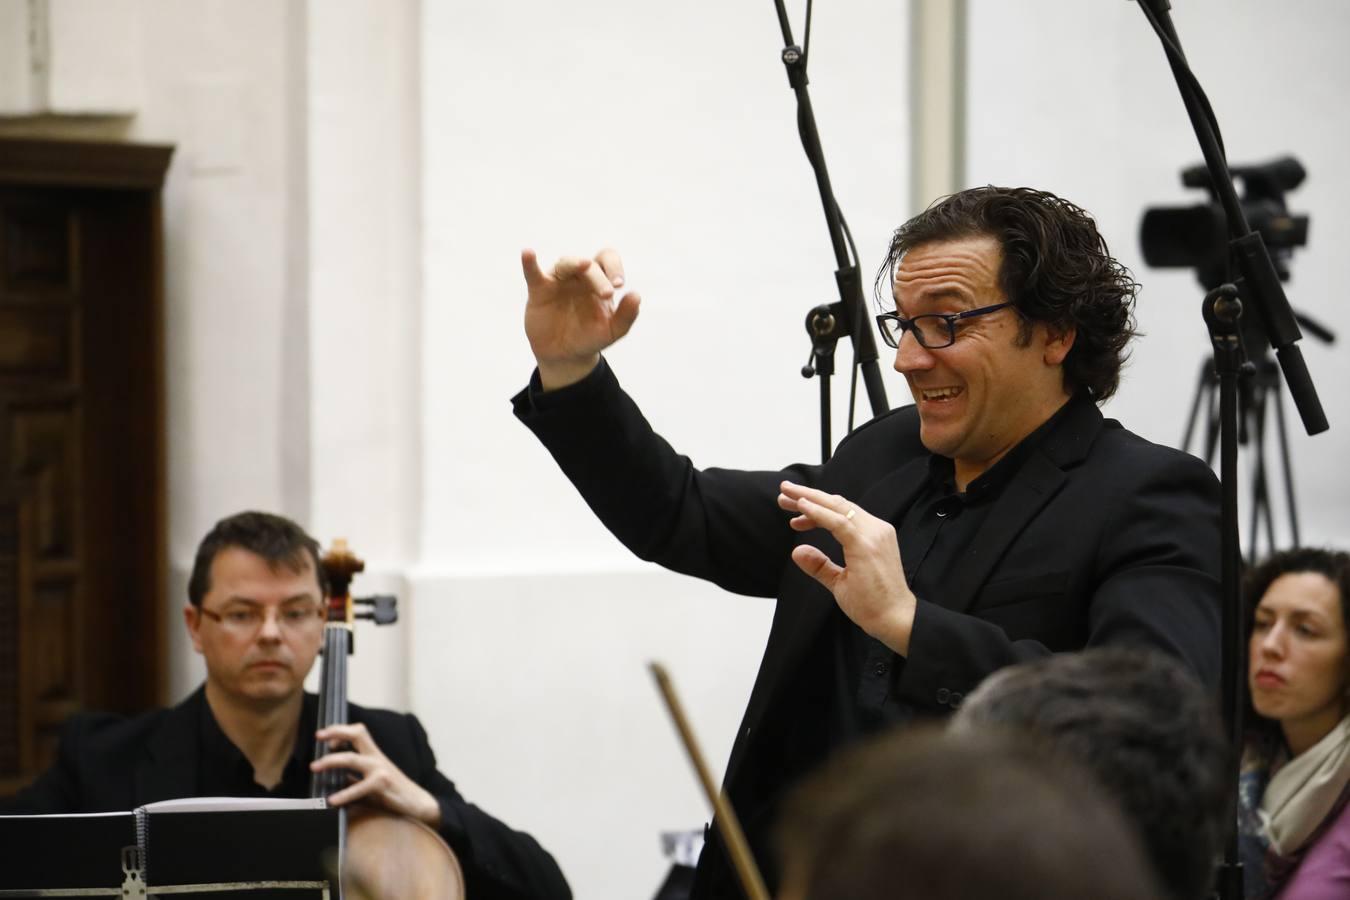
207 847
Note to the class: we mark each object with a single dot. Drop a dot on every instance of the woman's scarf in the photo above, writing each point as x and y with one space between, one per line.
1284 802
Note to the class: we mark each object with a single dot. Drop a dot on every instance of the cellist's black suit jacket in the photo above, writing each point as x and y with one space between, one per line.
1099 537
110 763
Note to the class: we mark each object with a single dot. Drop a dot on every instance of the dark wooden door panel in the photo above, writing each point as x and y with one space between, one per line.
82 547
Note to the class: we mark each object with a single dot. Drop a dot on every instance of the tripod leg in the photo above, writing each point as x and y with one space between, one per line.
1254 528
1262 512
1262 518
1288 466
1203 387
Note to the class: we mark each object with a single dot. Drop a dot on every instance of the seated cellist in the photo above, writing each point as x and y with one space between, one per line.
256 613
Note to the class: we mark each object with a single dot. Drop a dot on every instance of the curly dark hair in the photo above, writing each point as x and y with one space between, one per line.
1334 564
275 538
1056 269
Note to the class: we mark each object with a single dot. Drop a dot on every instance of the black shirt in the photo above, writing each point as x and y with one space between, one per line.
224 771
934 532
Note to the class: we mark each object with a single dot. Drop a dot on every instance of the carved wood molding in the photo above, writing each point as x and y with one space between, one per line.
83 163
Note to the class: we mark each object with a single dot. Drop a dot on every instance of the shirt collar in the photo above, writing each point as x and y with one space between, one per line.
942 470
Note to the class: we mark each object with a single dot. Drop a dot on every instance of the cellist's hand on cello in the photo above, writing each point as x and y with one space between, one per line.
375 778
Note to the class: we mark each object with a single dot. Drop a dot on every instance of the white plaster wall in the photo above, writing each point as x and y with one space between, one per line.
219 84
94 61
362 436
364 309
1078 98
73 57
291 283
16 62
667 130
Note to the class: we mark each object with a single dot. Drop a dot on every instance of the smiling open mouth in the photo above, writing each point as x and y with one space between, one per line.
938 394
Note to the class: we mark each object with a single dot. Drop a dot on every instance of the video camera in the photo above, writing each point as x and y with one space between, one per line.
1197 236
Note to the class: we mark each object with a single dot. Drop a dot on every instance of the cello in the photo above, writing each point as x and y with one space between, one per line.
381 855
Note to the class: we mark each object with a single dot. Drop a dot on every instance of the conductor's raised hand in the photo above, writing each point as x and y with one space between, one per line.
870 586
571 313
375 778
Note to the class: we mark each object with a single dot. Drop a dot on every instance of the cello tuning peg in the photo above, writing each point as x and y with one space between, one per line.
382 609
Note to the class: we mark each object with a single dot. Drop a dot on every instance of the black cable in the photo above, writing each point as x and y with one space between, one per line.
852 394
857 363
848 235
1179 63
806 41
855 260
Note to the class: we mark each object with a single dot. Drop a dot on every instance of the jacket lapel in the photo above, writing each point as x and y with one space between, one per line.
1019 502
1022 499
168 767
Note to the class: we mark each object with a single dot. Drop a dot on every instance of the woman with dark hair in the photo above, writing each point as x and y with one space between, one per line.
1294 817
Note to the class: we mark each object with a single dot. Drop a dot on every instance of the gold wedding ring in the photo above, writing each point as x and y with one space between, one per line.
851 510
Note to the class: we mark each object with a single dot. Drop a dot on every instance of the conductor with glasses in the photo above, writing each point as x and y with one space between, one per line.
999 518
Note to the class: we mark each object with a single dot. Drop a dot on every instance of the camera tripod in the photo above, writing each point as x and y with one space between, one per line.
1260 384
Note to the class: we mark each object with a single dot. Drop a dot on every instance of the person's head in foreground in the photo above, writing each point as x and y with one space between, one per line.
1143 726
1294 820
933 815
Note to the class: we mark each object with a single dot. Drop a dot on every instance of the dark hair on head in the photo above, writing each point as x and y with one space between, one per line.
1145 727
1056 269
1334 564
943 816
276 539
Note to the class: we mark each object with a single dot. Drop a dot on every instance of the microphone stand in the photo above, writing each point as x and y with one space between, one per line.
826 324
1259 288
1222 311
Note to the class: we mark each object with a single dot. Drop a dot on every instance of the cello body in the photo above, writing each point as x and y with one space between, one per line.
391 856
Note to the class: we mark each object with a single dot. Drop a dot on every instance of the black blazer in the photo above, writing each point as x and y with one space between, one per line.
109 763
1100 537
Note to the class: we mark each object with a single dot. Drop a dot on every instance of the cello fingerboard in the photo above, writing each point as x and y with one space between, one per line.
337 638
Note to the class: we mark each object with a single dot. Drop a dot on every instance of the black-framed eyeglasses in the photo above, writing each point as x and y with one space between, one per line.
933 331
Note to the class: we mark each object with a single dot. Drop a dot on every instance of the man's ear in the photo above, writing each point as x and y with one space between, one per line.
1058 343
192 618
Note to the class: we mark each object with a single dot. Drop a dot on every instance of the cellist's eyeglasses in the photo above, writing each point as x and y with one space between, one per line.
245 620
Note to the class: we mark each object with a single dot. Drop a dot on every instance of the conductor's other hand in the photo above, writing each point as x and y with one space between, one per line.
571 313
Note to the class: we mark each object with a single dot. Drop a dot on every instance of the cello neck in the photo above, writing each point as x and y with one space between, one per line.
339 564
